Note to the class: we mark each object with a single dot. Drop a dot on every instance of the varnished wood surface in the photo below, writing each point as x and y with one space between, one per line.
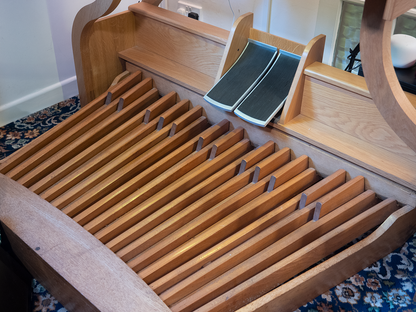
178 45
395 8
181 22
344 80
313 52
175 72
351 114
381 78
325 155
317 280
81 32
46 256
237 40
279 42
195 211
371 157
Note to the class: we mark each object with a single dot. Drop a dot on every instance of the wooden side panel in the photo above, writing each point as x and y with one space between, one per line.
314 52
185 48
108 36
81 33
56 258
236 42
350 113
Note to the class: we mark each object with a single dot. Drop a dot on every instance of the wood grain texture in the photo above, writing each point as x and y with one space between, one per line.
371 157
125 168
236 42
185 76
326 158
95 46
274 251
96 133
395 8
26 151
133 168
379 73
271 164
322 187
81 32
102 145
344 80
188 214
213 210
235 221
186 199
130 194
60 142
389 236
259 154
68 278
184 23
278 42
313 52
174 190
199 268
131 140
352 114
166 165
178 45
119 78
287 172
253 238
284 269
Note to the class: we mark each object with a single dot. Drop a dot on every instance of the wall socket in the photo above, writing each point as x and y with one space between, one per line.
185 7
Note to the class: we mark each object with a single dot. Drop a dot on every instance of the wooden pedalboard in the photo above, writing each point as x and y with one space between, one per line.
194 210
152 200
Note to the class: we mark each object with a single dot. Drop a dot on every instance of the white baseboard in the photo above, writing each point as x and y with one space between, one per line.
38 100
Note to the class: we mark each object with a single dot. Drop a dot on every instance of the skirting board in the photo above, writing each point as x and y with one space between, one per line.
38 100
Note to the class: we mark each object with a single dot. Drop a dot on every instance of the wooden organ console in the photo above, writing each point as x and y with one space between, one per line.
149 199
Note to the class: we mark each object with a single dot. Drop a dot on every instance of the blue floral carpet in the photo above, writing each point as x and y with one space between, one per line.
387 285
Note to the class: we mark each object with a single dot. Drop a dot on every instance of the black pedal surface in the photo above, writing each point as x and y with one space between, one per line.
269 95
241 78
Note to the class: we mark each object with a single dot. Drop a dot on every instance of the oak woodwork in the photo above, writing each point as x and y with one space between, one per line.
320 278
236 43
388 96
211 218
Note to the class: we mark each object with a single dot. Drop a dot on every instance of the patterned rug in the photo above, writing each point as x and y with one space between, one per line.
387 285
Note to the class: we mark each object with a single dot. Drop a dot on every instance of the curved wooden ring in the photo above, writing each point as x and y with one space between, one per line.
375 42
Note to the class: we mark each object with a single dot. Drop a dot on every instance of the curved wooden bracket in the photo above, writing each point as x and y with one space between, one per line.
313 52
375 45
81 31
236 42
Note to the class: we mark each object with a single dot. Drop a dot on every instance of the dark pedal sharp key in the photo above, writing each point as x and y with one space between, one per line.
269 95
242 77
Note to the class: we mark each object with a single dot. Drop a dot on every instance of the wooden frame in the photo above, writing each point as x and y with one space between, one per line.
73 280
382 81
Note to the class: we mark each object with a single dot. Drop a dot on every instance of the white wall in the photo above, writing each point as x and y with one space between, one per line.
37 67
297 20
218 12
